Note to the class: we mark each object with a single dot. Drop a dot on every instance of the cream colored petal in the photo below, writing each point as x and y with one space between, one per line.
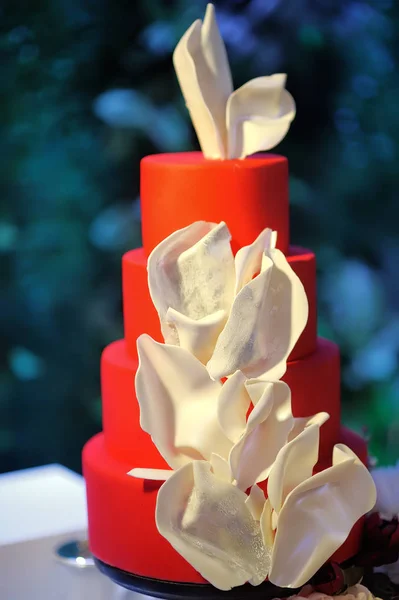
163 272
192 272
208 522
178 403
248 260
293 465
287 308
197 336
258 115
266 525
243 344
219 86
233 406
318 516
300 423
150 474
203 73
267 317
256 389
255 502
268 426
220 468
259 133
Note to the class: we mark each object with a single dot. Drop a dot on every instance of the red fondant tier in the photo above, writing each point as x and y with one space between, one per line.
314 382
249 195
122 530
140 315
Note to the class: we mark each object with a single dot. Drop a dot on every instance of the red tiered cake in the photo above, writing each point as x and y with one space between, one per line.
259 476
122 528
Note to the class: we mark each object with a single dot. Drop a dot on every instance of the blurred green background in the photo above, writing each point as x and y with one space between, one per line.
88 90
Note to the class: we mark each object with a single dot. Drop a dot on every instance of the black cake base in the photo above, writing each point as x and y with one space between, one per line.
171 590
378 583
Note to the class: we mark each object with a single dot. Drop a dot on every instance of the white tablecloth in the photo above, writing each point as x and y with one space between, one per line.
39 509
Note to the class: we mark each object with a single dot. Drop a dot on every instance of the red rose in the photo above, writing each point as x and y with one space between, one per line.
329 579
380 545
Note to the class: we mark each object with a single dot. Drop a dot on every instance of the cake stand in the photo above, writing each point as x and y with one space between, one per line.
77 554
170 590
378 583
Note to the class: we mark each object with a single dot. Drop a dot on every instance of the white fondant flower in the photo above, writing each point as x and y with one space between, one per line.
210 523
192 417
202 430
265 432
244 313
202 508
178 404
191 278
228 124
308 517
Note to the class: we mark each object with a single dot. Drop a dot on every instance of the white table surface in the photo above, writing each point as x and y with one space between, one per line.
41 508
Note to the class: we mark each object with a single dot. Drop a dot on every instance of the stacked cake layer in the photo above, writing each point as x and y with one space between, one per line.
177 190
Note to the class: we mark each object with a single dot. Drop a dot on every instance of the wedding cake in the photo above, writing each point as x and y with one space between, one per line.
223 462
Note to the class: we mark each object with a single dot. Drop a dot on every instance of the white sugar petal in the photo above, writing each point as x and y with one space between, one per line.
208 522
256 502
178 403
268 426
258 115
300 423
203 72
163 275
256 389
287 311
290 294
266 525
234 403
220 468
192 272
267 317
318 516
258 133
197 336
150 474
243 343
248 260
294 464
220 83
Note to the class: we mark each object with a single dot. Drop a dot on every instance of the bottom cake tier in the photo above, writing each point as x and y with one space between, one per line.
121 511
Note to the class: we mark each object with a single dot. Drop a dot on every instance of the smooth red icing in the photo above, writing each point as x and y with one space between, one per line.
176 190
249 195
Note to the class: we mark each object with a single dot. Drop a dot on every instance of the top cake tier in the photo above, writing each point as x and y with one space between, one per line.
249 195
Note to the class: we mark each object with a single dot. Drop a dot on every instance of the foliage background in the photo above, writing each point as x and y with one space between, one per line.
88 90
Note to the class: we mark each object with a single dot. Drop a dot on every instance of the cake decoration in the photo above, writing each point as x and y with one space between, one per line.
233 313
313 514
229 124
190 416
222 439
